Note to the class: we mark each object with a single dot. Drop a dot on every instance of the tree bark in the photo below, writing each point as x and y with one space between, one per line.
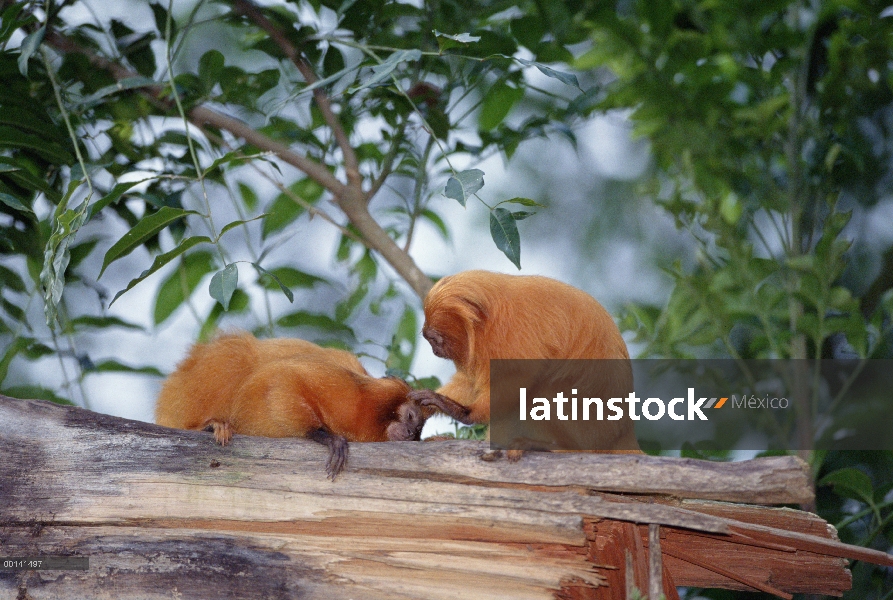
161 512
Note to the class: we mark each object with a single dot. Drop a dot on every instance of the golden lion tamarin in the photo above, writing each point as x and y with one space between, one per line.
286 387
474 316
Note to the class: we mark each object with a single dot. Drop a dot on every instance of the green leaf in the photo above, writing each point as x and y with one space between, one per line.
403 345
281 213
382 71
181 283
528 30
223 284
520 215
366 267
66 224
114 195
330 79
831 156
504 232
284 210
462 185
235 224
162 260
144 229
303 318
114 366
566 78
18 344
290 277
10 280
446 41
14 311
437 221
237 304
48 149
851 483
35 350
249 197
210 66
127 83
80 251
523 202
31 182
96 322
288 293
29 46
37 393
236 156
9 21
13 202
498 102
730 208
345 308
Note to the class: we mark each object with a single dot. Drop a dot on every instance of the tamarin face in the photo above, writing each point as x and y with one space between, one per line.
437 341
452 314
409 423
449 336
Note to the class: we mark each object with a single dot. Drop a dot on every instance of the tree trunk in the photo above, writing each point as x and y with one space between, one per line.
167 513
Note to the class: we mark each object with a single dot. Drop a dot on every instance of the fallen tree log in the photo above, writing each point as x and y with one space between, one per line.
162 513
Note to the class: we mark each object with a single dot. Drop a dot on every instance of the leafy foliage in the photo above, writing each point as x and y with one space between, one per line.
219 151
769 125
123 131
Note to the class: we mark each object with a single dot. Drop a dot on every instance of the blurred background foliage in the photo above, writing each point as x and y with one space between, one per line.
768 127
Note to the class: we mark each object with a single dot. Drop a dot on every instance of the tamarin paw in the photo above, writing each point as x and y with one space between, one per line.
223 433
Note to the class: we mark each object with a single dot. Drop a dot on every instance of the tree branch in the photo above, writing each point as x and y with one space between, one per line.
387 165
350 198
351 165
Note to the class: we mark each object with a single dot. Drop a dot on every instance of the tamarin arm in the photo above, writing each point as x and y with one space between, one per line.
338 450
470 392
460 388
447 406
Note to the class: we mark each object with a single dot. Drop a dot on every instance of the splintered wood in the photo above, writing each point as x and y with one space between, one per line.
163 513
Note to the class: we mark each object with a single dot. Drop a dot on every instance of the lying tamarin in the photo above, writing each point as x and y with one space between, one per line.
474 316
286 387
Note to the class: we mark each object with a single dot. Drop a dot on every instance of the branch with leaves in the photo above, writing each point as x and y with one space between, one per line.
350 196
363 101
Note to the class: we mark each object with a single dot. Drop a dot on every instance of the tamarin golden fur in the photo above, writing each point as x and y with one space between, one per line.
286 388
474 316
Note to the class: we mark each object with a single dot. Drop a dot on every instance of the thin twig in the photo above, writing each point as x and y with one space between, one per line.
387 164
421 179
351 164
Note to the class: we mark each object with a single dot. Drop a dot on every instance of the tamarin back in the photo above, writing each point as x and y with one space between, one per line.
286 387
293 396
206 381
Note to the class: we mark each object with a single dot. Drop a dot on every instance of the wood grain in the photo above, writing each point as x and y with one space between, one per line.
168 513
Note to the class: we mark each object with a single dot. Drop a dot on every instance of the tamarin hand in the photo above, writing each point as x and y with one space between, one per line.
445 405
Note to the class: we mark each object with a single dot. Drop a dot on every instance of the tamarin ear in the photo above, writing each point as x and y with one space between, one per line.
480 312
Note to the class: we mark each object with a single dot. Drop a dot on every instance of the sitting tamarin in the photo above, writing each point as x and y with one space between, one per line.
286 387
474 316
